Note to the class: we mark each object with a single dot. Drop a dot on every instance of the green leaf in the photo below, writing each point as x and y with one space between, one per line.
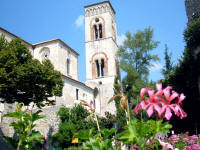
36 116
35 136
16 115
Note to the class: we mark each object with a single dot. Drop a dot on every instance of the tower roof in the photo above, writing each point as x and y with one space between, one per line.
101 3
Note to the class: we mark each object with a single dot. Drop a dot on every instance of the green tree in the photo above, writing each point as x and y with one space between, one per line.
24 79
185 79
135 52
135 59
71 121
121 119
168 68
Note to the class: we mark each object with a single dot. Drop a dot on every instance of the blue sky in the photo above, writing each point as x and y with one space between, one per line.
40 20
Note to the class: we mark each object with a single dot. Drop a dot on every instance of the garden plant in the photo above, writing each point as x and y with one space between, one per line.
143 134
26 136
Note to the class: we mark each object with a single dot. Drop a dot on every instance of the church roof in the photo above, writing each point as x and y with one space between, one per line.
33 45
14 36
101 3
57 40
78 82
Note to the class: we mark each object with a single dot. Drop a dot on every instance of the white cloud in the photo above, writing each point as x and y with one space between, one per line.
156 67
120 39
79 21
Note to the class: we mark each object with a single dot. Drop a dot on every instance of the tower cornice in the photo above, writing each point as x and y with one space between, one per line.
100 4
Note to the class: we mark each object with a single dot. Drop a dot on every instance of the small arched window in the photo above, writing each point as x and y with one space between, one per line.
95 32
100 31
68 66
100 68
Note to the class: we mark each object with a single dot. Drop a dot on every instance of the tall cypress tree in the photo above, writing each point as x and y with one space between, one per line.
186 77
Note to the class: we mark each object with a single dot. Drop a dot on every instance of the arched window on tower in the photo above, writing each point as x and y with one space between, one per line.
95 32
100 68
100 31
97 28
97 68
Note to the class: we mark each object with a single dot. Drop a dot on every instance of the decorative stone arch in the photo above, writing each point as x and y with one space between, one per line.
95 11
106 8
91 12
87 13
98 10
96 57
92 23
103 9
44 53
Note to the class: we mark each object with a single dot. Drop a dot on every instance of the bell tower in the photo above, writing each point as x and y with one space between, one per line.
101 49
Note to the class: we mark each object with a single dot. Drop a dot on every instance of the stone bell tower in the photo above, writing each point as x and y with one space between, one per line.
101 49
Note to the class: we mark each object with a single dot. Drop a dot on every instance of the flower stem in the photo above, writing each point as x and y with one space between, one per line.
128 111
95 115
19 144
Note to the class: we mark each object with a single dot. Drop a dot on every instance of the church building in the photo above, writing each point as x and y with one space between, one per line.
101 63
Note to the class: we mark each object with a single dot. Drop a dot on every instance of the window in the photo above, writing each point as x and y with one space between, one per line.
97 68
68 66
100 31
77 94
45 52
100 68
95 32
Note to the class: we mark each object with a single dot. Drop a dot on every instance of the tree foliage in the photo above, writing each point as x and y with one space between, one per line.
78 119
24 79
168 68
135 59
185 78
121 119
71 121
135 52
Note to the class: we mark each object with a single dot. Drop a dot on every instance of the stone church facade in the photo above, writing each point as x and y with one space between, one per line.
101 67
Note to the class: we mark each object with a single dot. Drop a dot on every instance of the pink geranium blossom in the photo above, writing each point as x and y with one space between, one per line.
161 102
167 146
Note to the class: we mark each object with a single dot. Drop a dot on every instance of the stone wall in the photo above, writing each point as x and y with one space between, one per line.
47 126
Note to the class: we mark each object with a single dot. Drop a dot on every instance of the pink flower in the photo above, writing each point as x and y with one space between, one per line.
161 102
150 104
187 148
166 145
174 138
196 147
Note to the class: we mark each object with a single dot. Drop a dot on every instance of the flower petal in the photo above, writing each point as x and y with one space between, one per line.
181 98
150 111
151 95
142 92
167 94
168 113
137 108
144 105
158 109
173 96
166 145
159 86
163 109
